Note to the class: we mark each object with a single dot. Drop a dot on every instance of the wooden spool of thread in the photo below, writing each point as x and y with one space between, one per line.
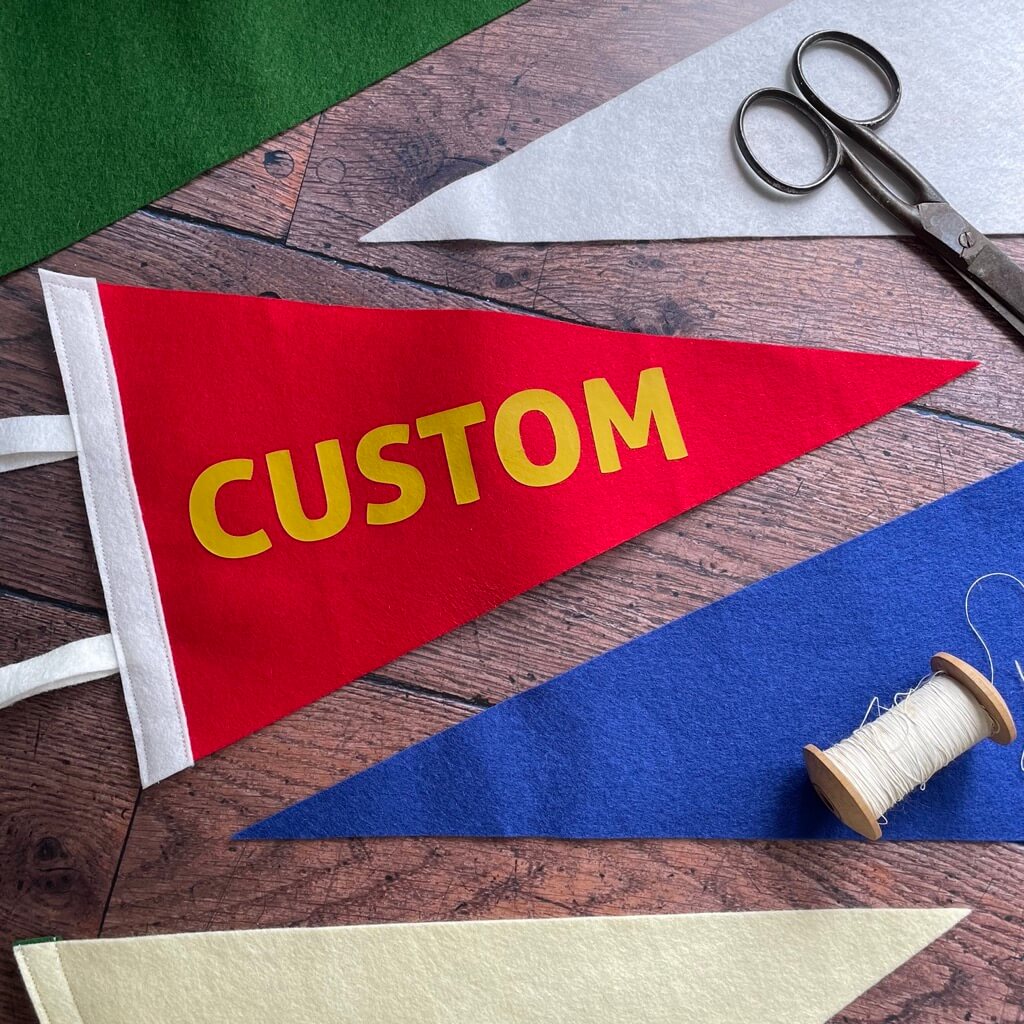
863 776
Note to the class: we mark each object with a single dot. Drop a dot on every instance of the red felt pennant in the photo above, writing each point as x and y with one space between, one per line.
324 488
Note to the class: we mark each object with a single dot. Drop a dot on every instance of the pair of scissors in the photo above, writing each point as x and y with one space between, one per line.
977 259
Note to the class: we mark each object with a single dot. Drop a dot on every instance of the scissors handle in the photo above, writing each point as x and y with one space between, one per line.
976 258
865 49
833 126
833 151
862 129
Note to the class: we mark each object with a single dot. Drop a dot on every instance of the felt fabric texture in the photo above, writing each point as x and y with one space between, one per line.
115 520
274 588
35 440
110 104
774 967
696 729
659 160
78 662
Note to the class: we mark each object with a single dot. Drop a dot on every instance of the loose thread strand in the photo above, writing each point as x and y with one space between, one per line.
981 639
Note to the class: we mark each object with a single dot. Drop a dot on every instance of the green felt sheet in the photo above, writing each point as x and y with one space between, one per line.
110 104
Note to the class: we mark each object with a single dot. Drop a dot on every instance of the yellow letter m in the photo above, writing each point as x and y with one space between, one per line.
607 414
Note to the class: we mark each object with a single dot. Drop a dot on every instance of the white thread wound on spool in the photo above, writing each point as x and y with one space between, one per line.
903 748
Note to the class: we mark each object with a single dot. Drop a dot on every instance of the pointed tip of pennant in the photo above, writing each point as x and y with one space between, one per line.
956 914
316 817
408 226
378 234
947 370
384 233
261 830
415 224
910 377
453 212
264 829
942 918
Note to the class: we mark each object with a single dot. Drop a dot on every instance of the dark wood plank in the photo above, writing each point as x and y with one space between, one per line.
551 61
45 546
68 784
255 192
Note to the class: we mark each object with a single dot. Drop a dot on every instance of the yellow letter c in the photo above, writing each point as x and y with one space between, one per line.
202 511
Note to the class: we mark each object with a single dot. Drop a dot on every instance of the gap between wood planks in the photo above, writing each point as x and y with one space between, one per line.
116 873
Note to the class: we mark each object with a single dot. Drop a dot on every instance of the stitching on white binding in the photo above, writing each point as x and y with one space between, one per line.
101 553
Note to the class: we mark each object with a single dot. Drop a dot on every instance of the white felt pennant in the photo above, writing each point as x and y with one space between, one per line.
779 967
659 160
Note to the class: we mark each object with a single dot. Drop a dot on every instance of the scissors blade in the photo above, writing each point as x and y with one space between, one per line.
1013 319
981 263
997 278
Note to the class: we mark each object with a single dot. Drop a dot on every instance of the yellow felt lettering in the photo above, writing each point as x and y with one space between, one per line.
451 426
336 492
202 512
408 479
607 413
509 440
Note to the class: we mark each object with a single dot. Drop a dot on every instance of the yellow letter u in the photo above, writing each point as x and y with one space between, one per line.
336 493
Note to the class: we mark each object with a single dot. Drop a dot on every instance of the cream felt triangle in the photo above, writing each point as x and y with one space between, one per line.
659 162
778 967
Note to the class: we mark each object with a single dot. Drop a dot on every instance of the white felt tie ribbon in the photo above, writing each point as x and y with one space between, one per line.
35 440
77 662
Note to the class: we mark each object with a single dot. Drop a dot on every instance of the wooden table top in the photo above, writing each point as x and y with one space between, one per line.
84 852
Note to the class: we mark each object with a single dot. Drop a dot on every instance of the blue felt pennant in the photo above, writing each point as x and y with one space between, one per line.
696 729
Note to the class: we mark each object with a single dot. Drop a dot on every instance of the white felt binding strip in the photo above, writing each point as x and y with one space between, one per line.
77 662
35 440
115 518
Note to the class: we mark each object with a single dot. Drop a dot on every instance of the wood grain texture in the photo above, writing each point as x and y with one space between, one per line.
67 783
255 192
